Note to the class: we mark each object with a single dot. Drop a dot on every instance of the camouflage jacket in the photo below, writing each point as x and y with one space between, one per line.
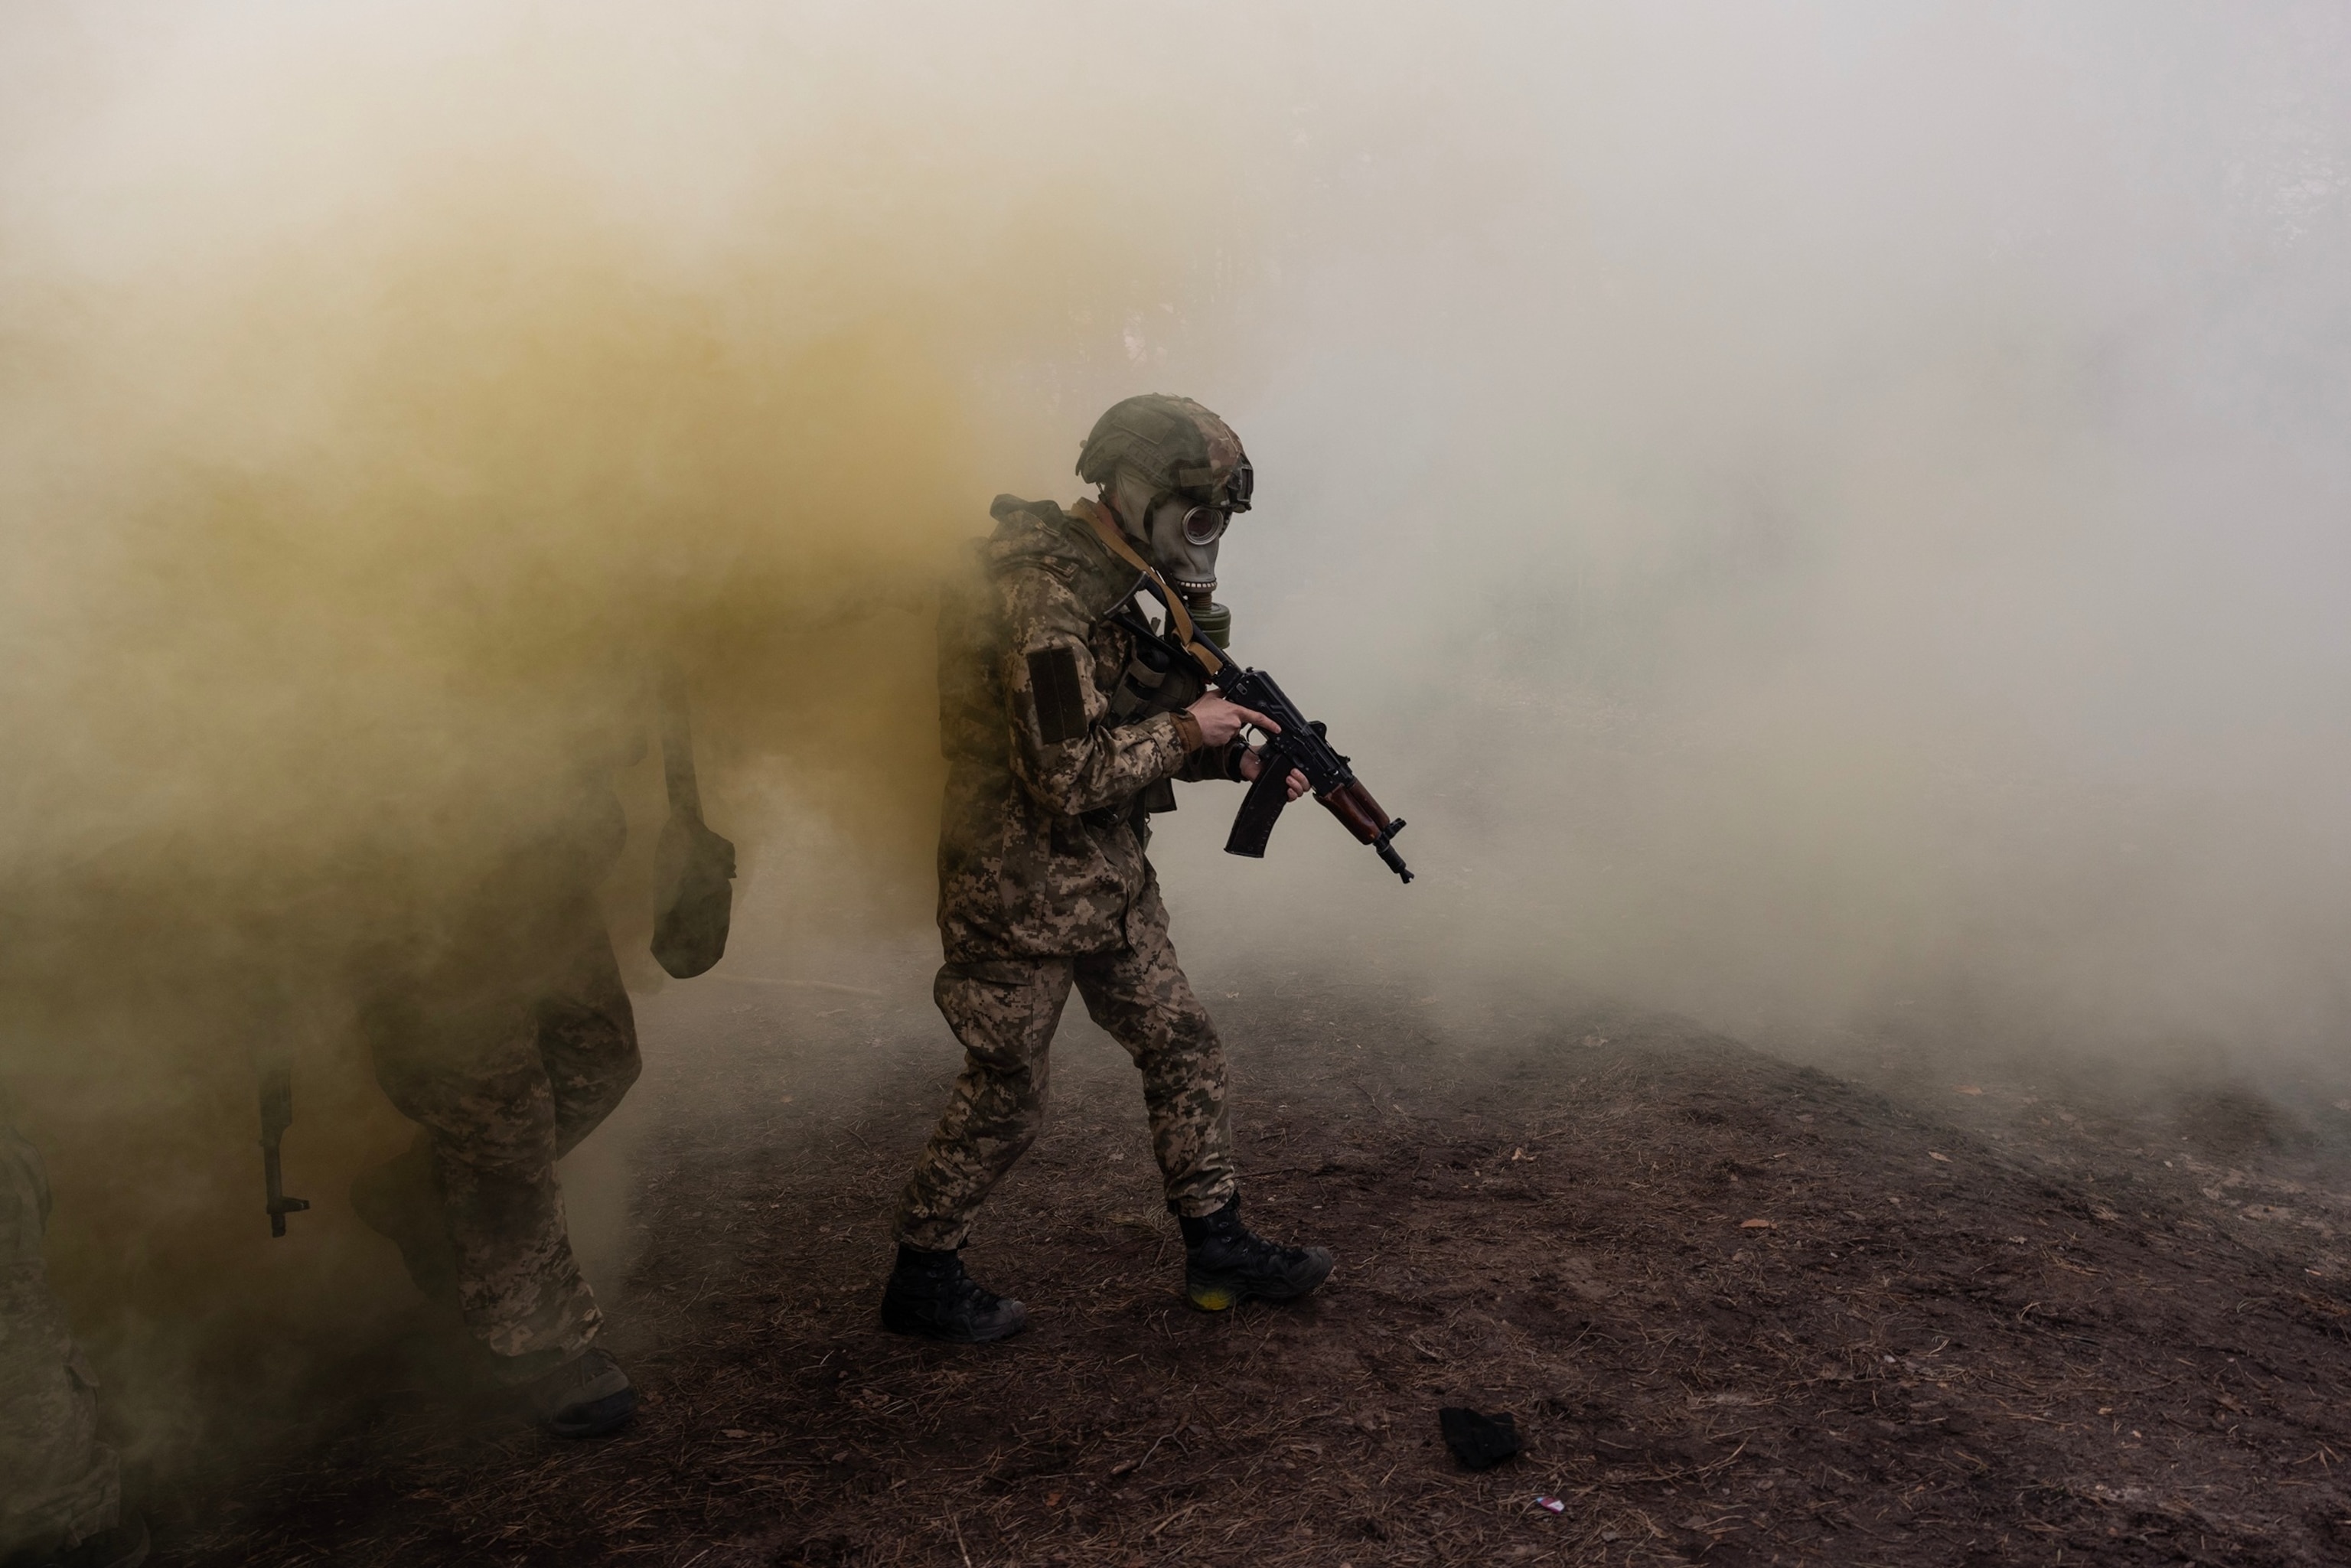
1060 737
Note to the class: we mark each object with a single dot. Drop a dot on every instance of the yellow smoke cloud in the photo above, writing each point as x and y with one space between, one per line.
356 501
1799 549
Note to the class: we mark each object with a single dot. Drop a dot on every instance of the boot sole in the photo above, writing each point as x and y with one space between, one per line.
596 1417
1210 1294
915 1328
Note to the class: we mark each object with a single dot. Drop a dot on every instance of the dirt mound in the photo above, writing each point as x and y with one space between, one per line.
1739 1309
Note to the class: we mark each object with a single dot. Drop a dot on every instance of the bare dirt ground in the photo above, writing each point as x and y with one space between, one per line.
1742 1312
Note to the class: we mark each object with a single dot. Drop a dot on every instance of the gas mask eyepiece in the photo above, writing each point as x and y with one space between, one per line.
1205 524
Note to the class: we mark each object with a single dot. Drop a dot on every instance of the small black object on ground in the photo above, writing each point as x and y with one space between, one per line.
1479 1441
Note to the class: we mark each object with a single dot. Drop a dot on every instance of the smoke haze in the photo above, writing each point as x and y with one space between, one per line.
1846 499
1817 515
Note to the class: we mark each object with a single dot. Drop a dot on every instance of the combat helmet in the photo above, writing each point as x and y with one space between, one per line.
1176 445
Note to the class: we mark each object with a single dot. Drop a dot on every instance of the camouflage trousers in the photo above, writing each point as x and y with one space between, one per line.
57 1481
505 1079
1005 1013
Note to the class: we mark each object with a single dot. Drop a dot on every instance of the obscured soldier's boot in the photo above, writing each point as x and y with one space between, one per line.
1224 1265
929 1294
585 1396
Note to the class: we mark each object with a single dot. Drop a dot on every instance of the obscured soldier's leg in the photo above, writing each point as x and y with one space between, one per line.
401 1198
475 1074
587 1036
57 1482
586 1041
1005 1014
1139 995
474 1079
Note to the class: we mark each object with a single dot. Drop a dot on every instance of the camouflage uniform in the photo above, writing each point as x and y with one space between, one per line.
1061 734
508 1041
57 1481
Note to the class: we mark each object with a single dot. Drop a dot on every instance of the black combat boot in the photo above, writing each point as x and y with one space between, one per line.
930 1295
1224 1265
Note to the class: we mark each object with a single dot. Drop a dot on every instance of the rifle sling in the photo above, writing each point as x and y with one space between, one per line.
1179 619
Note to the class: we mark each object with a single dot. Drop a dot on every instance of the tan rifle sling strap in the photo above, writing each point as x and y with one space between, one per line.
1179 619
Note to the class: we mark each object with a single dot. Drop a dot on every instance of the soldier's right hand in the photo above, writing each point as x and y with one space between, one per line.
1220 721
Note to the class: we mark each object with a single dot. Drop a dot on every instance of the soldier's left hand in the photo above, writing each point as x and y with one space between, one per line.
1252 765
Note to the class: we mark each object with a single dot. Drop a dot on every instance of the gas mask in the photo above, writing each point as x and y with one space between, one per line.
1180 534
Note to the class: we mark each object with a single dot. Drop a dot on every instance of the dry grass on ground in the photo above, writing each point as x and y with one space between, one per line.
1743 1312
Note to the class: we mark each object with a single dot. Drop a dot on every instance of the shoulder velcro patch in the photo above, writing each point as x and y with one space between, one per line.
1060 701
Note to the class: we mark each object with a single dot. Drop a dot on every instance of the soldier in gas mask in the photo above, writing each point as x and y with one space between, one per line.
1062 737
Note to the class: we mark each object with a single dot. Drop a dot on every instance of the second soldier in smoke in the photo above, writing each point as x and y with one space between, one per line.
498 1022
1061 741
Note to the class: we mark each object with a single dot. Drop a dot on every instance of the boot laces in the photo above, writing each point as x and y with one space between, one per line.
1248 1250
964 1291
582 1370
1273 1253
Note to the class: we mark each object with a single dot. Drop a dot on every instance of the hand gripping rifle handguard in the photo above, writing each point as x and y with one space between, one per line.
1299 745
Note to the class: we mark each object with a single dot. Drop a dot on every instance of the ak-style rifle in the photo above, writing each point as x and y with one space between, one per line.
1301 744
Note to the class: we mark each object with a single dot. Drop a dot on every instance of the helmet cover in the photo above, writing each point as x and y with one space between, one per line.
1175 445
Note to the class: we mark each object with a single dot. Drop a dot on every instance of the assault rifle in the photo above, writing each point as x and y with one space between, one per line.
1299 746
